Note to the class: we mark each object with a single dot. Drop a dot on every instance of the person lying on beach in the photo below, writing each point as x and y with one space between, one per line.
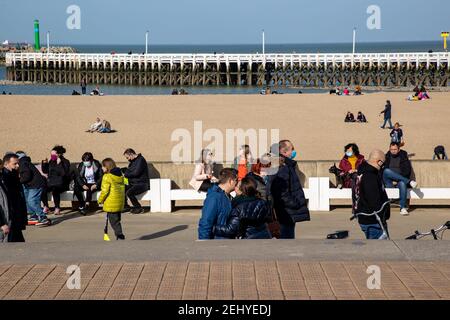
361 117
75 93
95 126
349 117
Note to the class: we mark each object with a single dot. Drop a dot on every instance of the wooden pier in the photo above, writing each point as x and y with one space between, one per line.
306 70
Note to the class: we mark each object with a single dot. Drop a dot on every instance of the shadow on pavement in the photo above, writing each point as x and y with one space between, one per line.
163 233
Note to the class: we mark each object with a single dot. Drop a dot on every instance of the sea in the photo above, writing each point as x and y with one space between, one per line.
63 89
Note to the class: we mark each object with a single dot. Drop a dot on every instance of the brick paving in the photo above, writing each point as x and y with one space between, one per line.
239 280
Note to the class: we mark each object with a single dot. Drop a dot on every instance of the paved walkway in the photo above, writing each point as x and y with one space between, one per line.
265 280
161 260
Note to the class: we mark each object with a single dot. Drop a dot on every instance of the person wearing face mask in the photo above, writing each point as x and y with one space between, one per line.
350 163
217 205
203 178
398 169
59 177
372 196
17 207
286 191
33 186
88 179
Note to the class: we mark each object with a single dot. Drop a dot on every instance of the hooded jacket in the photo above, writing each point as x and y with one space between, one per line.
248 220
215 211
98 174
30 176
405 163
287 193
113 192
372 195
137 172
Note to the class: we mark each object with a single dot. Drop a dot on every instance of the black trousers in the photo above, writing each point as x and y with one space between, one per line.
56 193
114 220
136 189
15 235
78 191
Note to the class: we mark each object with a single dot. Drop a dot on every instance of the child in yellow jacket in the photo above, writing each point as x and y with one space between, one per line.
113 195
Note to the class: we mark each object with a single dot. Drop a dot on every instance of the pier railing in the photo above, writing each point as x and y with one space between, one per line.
417 57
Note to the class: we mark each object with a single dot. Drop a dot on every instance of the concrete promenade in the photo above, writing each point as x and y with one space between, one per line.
162 260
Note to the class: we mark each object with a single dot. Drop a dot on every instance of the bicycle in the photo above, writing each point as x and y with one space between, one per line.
385 234
434 232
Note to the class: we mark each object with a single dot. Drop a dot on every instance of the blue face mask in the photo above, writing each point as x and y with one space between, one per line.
293 154
349 153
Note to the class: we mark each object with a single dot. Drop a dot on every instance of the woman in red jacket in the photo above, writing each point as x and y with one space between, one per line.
350 164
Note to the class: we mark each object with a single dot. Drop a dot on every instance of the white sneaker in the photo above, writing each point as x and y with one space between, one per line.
404 212
413 184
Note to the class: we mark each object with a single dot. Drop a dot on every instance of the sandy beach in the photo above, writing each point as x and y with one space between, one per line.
314 122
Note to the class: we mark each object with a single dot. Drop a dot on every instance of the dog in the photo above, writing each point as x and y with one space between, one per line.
340 177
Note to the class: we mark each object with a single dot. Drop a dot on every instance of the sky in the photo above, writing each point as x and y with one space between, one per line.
224 21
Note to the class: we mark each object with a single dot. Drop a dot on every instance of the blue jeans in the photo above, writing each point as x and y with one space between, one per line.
389 176
33 200
287 231
372 231
386 120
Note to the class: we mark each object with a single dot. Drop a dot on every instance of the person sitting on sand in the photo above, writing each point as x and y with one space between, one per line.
105 127
95 126
439 153
361 117
358 91
96 92
346 92
75 93
174 92
349 117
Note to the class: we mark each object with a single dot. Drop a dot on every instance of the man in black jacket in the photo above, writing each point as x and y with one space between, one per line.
4 209
372 196
398 169
33 187
138 178
286 191
16 198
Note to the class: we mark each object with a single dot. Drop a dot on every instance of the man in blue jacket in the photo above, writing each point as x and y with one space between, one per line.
217 205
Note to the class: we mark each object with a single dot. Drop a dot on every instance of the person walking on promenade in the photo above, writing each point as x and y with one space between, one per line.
372 196
59 177
387 115
88 178
16 199
138 179
286 190
217 206
112 195
34 186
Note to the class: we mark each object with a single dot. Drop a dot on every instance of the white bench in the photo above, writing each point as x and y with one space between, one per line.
326 194
153 195
168 195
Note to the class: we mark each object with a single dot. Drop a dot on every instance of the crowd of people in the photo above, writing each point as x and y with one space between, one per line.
24 189
419 94
346 91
